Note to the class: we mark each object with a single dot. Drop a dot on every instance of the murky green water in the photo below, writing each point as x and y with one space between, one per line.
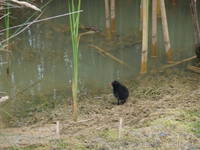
43 53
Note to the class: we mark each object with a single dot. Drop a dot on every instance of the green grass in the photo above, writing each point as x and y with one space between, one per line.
109 134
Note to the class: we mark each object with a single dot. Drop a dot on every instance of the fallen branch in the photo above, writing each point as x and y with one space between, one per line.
110 55
178 62
26 4
193 68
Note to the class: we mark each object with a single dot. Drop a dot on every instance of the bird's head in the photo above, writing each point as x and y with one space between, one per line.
115 83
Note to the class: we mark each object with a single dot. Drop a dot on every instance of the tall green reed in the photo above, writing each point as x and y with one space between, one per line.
74 26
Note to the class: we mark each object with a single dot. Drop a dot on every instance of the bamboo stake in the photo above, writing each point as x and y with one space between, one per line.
141 16
107 15
158 9
143 68
195 21
167 44
154 29
112 15
110 55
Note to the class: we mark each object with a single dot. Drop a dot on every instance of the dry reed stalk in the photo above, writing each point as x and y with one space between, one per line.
143 68
107 15
154 29
26 4
112 15
167 44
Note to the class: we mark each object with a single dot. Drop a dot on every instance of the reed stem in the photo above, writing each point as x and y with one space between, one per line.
74 26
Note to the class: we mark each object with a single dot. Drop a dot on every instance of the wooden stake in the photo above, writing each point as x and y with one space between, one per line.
107 15
141 16
143 68
166 32
112 14
154 29
58 128
120 128
158 9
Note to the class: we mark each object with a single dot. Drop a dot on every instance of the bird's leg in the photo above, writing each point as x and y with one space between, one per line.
118 101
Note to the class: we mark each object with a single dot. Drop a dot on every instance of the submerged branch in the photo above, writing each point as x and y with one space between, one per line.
110 55
178 62
85 33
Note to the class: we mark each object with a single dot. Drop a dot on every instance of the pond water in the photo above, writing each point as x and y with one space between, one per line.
43 55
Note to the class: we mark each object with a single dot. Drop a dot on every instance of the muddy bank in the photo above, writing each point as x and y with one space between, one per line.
162 112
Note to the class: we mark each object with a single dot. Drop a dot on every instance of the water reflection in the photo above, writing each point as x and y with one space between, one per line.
44 53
